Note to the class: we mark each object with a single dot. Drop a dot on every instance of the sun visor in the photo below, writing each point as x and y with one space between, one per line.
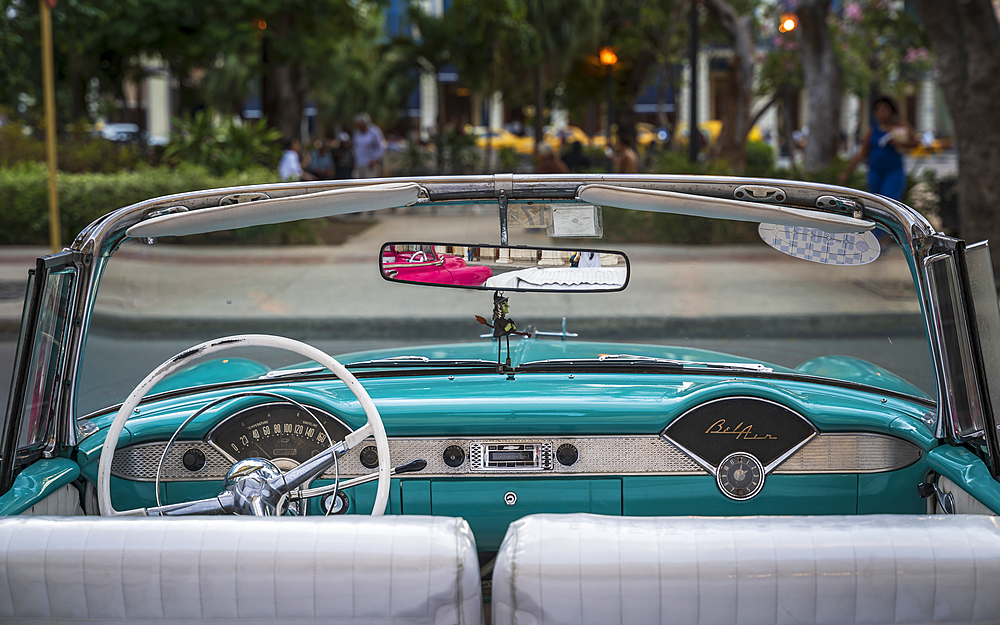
279 210
718 208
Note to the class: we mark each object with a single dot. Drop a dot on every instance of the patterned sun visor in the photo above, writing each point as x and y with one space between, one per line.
818 246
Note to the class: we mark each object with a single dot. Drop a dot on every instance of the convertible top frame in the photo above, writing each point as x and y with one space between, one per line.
98 241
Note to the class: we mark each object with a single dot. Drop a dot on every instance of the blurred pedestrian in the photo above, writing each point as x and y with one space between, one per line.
343 157
882 146
290 167
369 146
624 160
320 161
575 159
548 162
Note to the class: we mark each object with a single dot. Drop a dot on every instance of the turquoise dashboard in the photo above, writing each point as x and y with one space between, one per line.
500 447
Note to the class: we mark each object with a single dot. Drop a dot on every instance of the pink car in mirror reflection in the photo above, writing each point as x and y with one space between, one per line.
428 266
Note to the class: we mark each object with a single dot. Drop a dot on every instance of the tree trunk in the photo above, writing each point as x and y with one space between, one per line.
281 102
823 79
635 81
965 38
283 86
539 107
672 126
736 117
661 97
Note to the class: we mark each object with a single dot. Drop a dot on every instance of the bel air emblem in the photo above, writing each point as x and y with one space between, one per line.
739 431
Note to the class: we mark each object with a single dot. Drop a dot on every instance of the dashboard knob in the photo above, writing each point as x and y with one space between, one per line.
194 459
454 456
567 454
369 457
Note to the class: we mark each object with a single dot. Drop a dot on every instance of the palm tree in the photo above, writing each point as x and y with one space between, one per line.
564 29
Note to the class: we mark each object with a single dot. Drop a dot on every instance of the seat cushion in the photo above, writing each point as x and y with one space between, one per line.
582 568
238 569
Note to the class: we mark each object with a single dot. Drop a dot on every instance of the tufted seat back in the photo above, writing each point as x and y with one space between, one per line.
583 569
234 569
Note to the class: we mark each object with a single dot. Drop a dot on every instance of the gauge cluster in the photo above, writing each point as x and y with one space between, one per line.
277 431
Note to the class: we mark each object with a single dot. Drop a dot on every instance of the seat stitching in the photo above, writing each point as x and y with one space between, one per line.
45 572
6 571
83 569
121 569
274 575
315 563
934 564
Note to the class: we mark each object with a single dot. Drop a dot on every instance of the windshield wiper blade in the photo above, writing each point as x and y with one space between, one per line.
420 361
284 373
739 366
629 360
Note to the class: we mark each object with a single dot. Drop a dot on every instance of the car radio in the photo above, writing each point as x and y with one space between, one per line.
497 456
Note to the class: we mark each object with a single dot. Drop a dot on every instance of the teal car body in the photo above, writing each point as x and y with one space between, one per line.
871 436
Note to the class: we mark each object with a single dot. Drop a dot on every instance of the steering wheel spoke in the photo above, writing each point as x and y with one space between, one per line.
223 504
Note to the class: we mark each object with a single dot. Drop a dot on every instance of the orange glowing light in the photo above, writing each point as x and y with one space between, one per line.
788 23
261 24
608 56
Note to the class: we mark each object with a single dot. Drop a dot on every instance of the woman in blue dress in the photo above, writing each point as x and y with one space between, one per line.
882 146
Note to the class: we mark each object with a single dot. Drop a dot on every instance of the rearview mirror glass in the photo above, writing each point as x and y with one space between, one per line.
504 268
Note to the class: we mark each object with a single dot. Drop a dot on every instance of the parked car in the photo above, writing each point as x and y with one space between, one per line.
425 264
797 430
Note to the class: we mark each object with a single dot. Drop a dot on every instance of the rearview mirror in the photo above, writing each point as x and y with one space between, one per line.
504 268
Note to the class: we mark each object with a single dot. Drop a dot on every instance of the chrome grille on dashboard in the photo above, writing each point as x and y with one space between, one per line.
139 462
851 453
598 455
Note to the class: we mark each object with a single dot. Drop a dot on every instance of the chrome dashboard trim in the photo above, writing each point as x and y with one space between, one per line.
851 453
138 462
599 455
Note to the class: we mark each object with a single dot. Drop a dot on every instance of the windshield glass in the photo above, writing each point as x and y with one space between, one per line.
702 290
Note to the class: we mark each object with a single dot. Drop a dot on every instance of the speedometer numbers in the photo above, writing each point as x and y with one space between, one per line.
276 432
740 476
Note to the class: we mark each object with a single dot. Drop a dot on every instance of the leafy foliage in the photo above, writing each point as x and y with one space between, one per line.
77 155
224 147
86 197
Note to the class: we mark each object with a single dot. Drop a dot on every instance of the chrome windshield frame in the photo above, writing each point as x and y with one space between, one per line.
98 241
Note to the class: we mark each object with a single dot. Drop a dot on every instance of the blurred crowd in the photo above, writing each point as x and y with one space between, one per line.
356 155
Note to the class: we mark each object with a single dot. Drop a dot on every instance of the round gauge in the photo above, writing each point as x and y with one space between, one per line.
276 432
740 476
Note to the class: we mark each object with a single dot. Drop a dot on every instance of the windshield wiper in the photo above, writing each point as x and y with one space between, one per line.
629 360
282 373
420 361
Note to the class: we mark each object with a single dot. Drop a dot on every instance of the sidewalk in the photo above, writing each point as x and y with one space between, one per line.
172 289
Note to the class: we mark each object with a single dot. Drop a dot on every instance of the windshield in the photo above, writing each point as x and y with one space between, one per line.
700 290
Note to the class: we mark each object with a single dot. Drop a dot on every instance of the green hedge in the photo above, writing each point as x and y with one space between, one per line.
24 208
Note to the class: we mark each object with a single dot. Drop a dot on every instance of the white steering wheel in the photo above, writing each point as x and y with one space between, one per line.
307 470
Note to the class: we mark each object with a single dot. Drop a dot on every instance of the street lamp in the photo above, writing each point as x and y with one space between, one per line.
608 60
788 22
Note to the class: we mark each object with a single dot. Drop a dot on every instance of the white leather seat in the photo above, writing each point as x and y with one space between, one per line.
582 568
248 570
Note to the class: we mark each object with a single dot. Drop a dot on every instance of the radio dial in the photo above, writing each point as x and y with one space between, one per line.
454 456
369 457
567 454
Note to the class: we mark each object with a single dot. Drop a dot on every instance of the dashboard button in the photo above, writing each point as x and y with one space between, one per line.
194 459
369 457
567 454
454 456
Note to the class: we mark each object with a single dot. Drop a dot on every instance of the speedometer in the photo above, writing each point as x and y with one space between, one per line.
276 432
